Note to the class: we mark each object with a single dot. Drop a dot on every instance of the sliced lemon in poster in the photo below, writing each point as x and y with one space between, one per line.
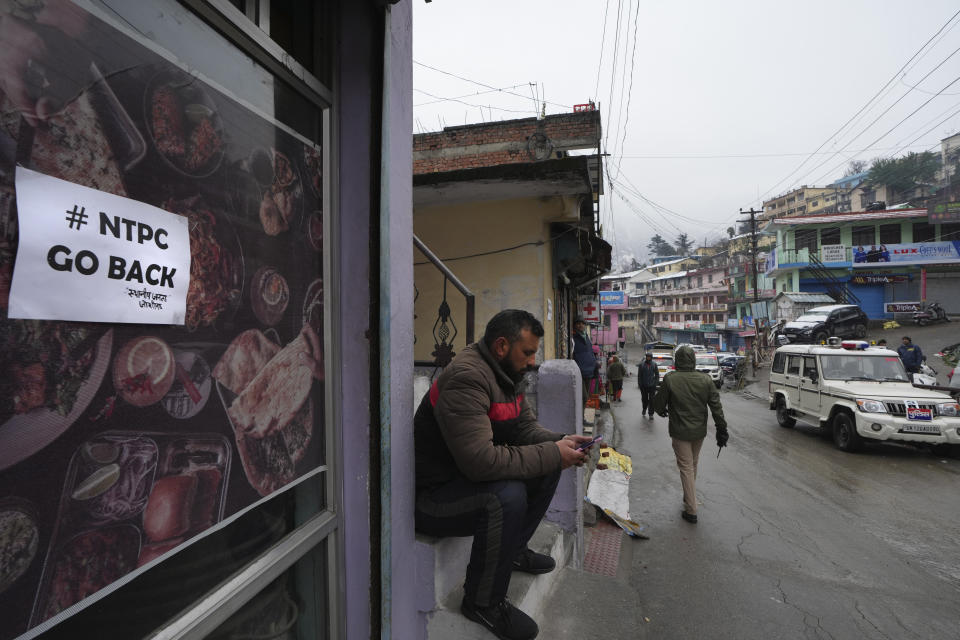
151 356
97 482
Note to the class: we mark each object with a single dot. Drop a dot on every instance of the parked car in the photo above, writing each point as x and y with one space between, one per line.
709 364
820 323
858 394
664 362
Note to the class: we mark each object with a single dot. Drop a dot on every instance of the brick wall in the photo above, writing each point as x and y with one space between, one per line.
506 142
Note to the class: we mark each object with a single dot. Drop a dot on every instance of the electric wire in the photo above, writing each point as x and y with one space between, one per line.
603 39
468 95
883 113
483 84
472 104
861 110
907 117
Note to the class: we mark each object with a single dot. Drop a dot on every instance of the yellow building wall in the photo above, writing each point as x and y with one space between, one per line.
501 251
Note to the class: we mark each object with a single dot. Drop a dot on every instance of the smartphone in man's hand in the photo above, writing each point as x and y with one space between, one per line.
587 445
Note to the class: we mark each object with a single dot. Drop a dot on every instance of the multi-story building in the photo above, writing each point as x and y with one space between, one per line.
800 201
691 306
634 323
673 265
870 258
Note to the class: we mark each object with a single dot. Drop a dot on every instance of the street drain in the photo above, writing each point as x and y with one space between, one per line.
603 554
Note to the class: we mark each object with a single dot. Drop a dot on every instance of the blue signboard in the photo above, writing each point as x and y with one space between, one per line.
613 299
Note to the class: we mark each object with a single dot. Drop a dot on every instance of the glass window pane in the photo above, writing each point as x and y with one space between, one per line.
292 607
163 591
829 236
864 235
890 233
924 232
949 232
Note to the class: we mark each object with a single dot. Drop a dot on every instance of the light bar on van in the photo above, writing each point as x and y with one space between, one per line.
855 345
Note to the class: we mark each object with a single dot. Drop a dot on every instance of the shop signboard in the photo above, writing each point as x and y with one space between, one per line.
733 323
187 385
904 254
589 310
833 253
691 324
708 326
613 299
878 278
771 265
901 307
942 212
711 335
675 325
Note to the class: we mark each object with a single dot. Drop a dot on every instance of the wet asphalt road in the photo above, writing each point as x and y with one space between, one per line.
796 539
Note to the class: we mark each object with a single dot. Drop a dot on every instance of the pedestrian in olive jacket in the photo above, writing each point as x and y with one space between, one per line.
684 395
616 372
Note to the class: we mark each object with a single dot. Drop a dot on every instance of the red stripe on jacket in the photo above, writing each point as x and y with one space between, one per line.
499 411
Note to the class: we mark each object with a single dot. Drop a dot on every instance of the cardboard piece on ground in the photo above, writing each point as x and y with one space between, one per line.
609 489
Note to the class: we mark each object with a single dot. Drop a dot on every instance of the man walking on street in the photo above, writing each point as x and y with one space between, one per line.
684 395
911 356
648 375
615 374
485 467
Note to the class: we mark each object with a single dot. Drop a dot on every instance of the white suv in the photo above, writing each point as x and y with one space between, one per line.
858 393
709 364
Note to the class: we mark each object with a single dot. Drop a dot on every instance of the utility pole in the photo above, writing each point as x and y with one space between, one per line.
756 284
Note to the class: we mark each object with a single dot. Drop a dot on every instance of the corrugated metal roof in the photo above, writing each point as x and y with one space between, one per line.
804 296
858 216
678 274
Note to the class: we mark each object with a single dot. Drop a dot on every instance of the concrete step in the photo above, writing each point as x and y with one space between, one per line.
528 592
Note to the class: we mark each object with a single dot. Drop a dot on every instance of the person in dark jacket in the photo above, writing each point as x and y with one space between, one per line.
485 467
684 395
583 355
616 372
648 376
911 355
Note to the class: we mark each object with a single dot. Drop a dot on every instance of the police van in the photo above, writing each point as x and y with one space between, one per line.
858 393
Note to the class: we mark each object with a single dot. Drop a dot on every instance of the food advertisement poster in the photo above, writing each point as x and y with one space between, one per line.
89 255
185 383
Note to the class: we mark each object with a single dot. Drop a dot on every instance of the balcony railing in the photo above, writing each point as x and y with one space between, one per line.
691 308
802 256
445 329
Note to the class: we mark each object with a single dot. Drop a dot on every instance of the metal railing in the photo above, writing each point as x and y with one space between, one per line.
445 329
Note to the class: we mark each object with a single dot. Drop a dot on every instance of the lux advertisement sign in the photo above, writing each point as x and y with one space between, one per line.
913 253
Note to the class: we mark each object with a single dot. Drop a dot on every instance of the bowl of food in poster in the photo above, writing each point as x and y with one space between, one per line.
282 196
84 564
313 306
216 262
191 385
143 370
49 374
19 539
269 295
183 123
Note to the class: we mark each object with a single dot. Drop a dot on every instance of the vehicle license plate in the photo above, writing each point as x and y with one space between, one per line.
916 413
913 427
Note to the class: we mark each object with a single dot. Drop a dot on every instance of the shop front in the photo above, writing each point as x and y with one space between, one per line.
178 231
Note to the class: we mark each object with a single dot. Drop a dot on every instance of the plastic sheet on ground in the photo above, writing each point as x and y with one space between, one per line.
609 490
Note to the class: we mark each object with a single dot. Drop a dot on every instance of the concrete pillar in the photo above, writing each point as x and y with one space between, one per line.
560 409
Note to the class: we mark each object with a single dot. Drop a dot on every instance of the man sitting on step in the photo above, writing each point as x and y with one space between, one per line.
485 467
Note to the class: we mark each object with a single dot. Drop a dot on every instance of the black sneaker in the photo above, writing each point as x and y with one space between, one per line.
503 619
530 561
689 517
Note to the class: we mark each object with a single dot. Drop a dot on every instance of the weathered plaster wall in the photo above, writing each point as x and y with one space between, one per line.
514 277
